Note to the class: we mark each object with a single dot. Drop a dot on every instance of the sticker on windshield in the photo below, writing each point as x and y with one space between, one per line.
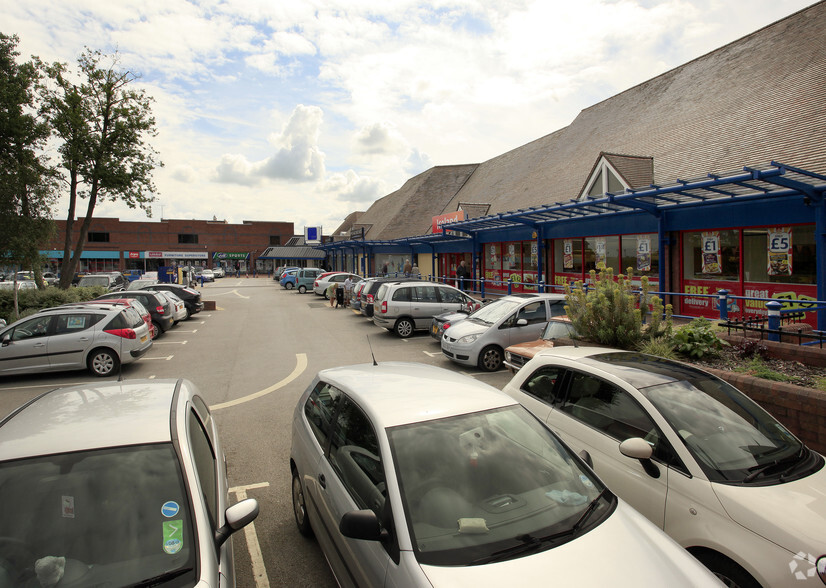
170 509
173 536
586 481
68 506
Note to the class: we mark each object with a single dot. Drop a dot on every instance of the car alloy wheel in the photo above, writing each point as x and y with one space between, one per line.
302 289
289 285
490 359
102 362
299 510
404 327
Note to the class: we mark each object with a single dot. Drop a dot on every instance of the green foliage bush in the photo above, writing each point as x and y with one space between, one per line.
659 346
697 339
608 313
31 301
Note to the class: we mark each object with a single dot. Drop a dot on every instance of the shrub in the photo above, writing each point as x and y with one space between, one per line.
758 369
747 348
659 346
31 301
607 312
697 339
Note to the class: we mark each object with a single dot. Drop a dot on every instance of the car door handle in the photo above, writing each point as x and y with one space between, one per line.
39 345
322 481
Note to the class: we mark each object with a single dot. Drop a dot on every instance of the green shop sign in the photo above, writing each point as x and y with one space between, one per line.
230 255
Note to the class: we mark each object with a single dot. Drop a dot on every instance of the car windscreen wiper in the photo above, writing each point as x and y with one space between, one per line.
760 469
530 543
160 579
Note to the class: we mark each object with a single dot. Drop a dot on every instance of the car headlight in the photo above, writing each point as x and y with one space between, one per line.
468 338
507 356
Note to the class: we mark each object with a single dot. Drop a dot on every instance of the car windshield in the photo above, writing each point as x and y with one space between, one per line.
482 484
117 516
87 281
138 284
494 312
556 329
729 434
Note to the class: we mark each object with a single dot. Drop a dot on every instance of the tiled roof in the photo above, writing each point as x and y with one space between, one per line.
758 99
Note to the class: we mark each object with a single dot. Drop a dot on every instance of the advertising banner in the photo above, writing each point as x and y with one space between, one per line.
643 253
712 254
599 252
443 219
779 244
567 254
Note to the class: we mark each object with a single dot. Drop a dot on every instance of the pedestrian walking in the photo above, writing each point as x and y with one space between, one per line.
348 290
462 275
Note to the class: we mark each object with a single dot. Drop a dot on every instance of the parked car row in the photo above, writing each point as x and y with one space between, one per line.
99 335
689 452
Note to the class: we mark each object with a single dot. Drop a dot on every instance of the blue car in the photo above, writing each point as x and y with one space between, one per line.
288 279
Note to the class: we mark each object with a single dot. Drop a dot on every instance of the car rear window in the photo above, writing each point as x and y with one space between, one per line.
127 318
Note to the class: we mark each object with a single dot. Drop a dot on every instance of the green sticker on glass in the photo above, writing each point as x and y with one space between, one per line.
173 536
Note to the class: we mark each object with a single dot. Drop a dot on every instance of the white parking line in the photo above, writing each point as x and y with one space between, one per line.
167 358
432 353
195 331
169 343
259 570
300 366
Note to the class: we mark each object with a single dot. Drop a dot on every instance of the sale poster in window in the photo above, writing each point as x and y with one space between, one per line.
568 254
712 255
643 254
599 252
780 251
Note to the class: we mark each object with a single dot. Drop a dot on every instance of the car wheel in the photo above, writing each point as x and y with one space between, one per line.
188 313
299 508
302 289
404 327
490 359
726 570
289 285
103 362
158 328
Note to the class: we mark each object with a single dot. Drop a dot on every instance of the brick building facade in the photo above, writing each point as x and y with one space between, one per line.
113 244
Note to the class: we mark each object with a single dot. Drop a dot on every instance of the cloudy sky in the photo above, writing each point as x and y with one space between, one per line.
307 110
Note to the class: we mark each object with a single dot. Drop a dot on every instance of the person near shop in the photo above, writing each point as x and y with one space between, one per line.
407 267
348 290
237 269
384 269
331 293
462 274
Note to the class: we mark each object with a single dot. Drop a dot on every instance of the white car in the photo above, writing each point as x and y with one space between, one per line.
412 475
320 285
480 339
692 453
178 307
219 271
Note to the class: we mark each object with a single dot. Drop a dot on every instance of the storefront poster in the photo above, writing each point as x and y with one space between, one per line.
643 254
779 244
567 254
599 252
712 255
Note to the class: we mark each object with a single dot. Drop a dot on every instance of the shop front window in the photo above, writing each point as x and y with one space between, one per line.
641 253
568 256
711 255
602 253
780 255
512 257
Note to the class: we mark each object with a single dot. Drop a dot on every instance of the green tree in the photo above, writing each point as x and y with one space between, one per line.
27 187
102 124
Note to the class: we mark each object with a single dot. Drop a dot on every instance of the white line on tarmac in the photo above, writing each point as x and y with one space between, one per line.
167 358
300 366
168 343
259 570
195 331
432 353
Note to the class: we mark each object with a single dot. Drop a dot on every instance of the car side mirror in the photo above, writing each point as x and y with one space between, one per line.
639 448
6 339
237 517
362 524
521 322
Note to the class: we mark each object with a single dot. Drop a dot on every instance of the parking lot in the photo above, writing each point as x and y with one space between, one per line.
251 358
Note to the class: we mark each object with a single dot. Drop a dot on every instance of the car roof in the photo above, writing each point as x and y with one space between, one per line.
638 369
89 416
397 393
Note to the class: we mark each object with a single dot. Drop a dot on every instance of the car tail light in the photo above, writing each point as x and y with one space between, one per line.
159 309
445 326
315 284
369 299
384 306
125 333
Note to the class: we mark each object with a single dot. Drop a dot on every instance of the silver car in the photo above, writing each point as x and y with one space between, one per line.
119 484
97 337
480 339
404 307
413 475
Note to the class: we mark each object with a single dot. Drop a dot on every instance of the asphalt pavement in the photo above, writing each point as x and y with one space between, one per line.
251 358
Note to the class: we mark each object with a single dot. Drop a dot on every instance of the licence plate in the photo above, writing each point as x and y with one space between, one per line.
435 329
144 338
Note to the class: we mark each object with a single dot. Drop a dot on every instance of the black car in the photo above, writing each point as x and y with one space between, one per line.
192 298
158 305
370 289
